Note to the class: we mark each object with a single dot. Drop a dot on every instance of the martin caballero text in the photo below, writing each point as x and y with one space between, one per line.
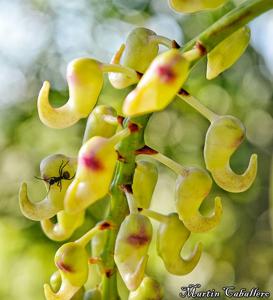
194 291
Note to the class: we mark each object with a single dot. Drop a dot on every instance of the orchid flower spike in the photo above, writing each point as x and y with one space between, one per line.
85 80
57 172
226 53
159 84
96 164
224 136
65 226
132 243
138 52
191 189
190 6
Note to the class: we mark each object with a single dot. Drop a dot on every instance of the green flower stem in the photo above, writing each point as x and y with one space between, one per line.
119 206
119 136
116 68
229 23
162 40
154 215
197 105
171 164
85 239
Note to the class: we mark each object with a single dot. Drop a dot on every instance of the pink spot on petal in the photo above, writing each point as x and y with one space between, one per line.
166 73
139 238
92 162
62 266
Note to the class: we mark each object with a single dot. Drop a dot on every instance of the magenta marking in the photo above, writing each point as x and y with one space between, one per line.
166 73
92 162
62 266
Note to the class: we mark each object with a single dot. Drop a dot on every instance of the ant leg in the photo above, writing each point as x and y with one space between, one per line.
59 184
62 167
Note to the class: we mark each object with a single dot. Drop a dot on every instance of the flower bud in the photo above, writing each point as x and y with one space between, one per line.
101 122
131 249
72 261
144 182
190 6
191 190
224 136
171 237
85 80
140 49
65 226
226 53
148 289
96 164
159 84
56 171
137 53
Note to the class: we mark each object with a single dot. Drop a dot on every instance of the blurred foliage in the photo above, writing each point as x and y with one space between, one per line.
38 38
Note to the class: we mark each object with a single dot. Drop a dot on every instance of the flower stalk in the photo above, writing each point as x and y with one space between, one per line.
119 206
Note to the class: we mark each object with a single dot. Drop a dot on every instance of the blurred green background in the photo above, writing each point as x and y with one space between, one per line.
37 40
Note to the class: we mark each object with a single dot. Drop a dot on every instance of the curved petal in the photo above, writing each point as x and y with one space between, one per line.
85 80
171 237
36 211
65 226
224 136
191 190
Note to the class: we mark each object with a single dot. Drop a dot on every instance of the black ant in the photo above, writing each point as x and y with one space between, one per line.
62 176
